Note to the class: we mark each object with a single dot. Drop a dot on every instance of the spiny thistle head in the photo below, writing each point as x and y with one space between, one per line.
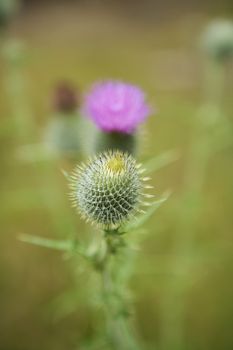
115 106
108 189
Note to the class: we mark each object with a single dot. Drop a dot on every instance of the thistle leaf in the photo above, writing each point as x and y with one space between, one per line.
135 224
33 153
63 245
161 161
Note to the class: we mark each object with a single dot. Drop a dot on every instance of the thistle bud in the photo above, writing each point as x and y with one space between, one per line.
66 99
107 190
217 40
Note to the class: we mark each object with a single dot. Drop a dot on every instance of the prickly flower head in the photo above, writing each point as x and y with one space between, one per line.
107 189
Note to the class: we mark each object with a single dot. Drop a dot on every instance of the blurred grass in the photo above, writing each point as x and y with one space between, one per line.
85 45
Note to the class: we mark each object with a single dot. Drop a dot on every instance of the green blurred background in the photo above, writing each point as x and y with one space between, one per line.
153 44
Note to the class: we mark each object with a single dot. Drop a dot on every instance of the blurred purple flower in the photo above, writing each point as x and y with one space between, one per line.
115 106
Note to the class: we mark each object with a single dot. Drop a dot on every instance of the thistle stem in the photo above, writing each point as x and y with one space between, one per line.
119 333
113 140
15 84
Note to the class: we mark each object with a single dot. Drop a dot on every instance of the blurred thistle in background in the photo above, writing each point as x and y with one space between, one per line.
211 132
63 132
66 98
217 40
15 83
117 109
8 9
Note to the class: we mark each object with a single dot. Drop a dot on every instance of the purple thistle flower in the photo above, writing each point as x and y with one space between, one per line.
115 106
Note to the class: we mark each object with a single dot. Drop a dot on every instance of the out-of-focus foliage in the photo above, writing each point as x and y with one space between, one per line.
7 10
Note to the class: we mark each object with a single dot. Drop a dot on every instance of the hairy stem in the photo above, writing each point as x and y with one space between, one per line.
119 332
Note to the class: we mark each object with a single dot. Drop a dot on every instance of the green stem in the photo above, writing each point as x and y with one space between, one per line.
119 332
214 83
113 140
17 90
